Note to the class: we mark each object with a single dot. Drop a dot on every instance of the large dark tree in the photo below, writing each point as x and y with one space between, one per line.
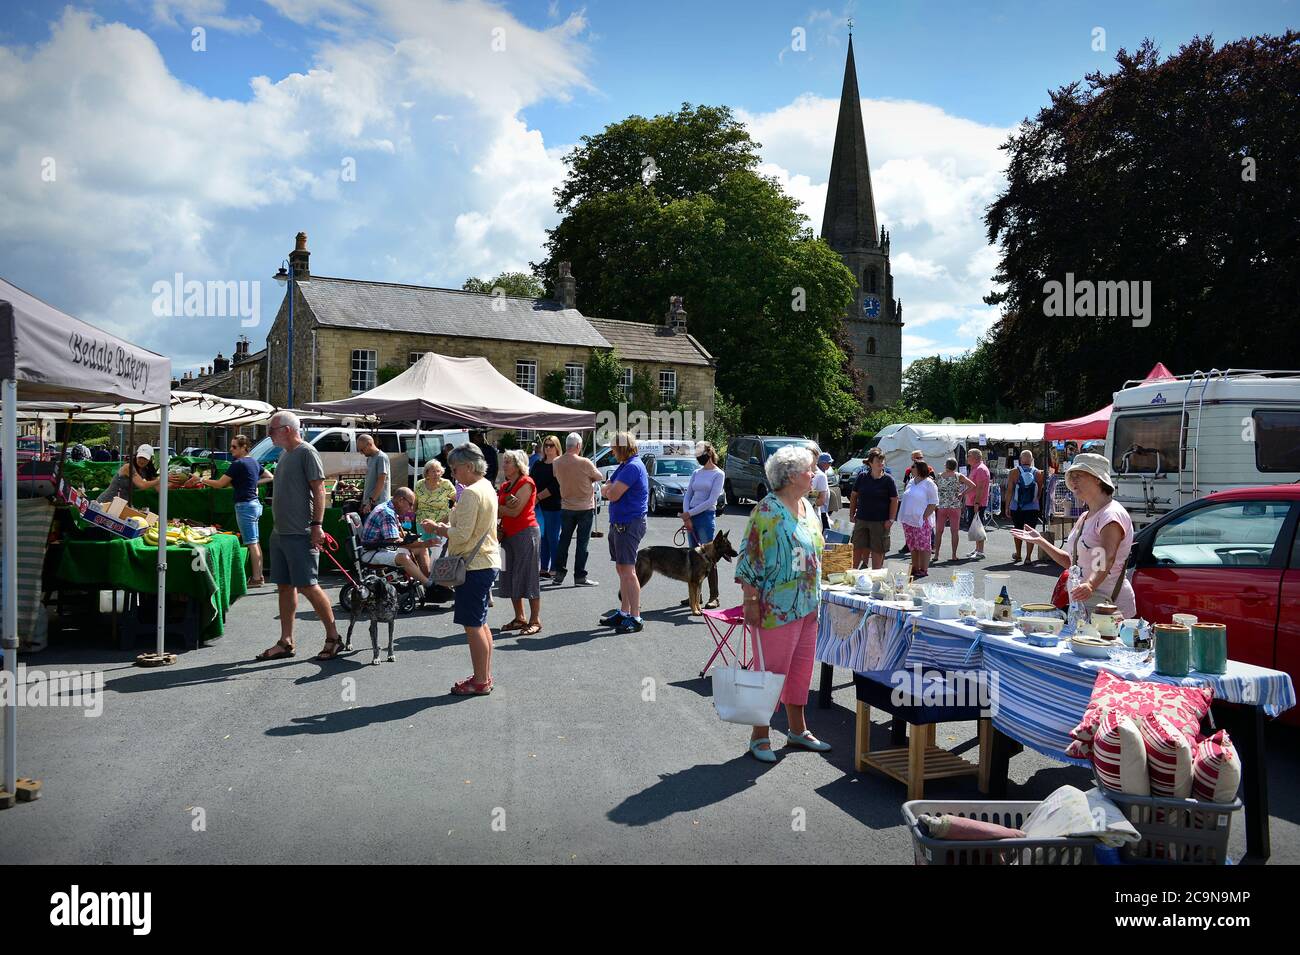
672 205
1181 172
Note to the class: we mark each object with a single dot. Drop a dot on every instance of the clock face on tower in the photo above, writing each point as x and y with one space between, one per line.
871 306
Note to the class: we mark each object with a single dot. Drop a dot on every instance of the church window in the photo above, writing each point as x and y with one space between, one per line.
870 282
871 394
871 346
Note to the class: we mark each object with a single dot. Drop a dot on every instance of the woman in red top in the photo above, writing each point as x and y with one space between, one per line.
521 540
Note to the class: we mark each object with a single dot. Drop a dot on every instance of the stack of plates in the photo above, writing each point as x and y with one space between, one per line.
1093 648
1001 627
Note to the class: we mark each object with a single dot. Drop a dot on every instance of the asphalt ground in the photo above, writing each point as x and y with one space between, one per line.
594 748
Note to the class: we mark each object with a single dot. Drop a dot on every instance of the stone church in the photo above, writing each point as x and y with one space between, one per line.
874 321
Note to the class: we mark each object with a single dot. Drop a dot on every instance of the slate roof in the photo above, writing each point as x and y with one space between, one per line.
383 306
641 341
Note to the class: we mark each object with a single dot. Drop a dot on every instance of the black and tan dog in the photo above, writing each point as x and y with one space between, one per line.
689 564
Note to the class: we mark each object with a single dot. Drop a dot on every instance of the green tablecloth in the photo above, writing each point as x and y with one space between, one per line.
215 580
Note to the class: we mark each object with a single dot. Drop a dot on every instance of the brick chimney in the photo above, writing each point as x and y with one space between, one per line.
220 364
241 349
675 317
566 288
299 256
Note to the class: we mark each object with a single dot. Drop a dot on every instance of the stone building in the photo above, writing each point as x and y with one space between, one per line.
874 321
345 331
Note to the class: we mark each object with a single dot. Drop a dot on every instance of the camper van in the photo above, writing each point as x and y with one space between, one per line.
1173 442
337 447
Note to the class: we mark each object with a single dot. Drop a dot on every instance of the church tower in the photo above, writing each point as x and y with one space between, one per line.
874 322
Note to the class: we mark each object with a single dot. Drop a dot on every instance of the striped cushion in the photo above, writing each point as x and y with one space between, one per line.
1216 769
1184 706
1169 757
1119 755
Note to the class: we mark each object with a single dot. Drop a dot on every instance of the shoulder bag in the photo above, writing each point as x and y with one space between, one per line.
450 571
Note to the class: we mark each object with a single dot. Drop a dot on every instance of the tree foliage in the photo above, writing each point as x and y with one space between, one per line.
519 284
1181 173
673 205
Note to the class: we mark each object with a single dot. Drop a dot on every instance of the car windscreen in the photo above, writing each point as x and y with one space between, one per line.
771 447
676 466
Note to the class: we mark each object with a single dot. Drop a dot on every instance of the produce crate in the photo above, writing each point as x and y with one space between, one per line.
1009 813
1182 831
836 558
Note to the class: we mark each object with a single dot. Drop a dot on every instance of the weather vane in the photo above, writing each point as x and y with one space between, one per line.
850 26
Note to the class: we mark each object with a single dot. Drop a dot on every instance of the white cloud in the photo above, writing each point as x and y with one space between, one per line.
210 14
155 177
932 174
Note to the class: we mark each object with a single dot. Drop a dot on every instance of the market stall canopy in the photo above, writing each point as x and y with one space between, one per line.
52 355
188 409
1092 427
458 391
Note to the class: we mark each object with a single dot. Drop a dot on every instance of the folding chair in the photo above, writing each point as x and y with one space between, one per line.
722 624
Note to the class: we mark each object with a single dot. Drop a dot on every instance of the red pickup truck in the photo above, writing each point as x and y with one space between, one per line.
1232 557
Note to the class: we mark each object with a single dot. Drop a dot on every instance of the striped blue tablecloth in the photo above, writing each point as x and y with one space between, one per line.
1041 692
842 633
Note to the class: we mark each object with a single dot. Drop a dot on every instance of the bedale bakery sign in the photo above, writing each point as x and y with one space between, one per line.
109 358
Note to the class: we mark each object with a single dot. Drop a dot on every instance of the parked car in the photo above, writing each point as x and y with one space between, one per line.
1174 441
605 461
747 455
1232 557
669 476
337 447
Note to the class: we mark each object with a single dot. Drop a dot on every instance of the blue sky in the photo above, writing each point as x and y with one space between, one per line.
207 162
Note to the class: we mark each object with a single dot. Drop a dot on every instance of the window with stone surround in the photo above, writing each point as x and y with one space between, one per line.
363 369
526 375
870 280
871 346
575 380
413 357
667 385
625 383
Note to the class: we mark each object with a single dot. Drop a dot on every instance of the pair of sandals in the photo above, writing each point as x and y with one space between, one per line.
282 650
525 628
804 739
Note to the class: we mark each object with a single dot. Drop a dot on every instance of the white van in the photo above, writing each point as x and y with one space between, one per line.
337 447
1171 442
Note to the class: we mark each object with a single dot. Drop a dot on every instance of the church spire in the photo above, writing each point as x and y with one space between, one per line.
849 221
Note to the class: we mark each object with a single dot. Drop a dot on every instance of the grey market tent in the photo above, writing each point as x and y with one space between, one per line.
46 355
459 391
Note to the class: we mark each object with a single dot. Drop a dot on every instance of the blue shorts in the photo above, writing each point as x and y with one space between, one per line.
625 541
249 516
471 606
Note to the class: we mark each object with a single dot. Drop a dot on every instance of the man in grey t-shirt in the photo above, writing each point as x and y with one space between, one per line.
298 503
378 474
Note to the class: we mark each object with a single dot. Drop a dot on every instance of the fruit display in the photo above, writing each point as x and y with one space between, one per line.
179 534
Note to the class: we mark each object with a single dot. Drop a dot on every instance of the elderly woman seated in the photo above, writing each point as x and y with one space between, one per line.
382 541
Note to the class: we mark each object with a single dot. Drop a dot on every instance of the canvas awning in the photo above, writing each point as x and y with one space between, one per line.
459 391
187 408
1092 427
46 355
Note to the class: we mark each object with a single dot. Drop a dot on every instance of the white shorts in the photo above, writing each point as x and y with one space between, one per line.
380 558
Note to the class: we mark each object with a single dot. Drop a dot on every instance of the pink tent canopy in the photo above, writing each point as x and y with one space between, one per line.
458 391
1092 427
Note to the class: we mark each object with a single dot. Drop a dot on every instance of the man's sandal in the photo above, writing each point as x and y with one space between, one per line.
286 648
531 629
332 647
515 624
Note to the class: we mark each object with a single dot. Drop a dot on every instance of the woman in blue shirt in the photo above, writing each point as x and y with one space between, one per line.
699 509
628 493
244 475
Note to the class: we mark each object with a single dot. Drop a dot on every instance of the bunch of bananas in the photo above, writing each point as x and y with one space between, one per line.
177 535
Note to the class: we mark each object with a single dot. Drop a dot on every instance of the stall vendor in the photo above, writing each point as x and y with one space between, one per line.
139 473
1101 539
244 474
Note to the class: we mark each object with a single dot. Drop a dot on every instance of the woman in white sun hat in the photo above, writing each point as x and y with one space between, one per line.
1102 537
139 472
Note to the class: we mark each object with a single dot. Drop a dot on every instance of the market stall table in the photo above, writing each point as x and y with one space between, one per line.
1043 691
213 581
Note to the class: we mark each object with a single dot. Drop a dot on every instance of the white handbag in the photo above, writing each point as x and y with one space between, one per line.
748 697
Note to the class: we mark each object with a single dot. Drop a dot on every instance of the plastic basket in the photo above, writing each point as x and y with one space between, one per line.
1183 831
1055 851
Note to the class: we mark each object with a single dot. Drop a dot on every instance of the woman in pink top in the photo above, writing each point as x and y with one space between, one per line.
977 496
1102 536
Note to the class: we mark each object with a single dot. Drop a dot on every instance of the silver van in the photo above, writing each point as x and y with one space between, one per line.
747 455
337 447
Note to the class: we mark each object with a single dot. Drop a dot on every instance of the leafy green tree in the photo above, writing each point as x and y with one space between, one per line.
387 373
553 387
673 205
519 284
604 372
1179 172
